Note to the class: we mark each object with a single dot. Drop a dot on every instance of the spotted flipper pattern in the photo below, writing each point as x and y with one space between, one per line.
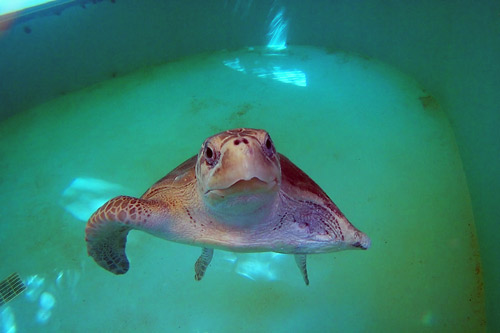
202 263
107 229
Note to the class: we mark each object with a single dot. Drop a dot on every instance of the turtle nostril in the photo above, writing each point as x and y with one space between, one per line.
236 142
245 141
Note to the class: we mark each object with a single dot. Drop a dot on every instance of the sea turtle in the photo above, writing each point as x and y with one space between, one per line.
238 194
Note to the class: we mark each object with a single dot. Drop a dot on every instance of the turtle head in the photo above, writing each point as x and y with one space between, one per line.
238 174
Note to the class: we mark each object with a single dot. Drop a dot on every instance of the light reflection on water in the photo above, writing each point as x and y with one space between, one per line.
256 266
39 300
270 70
85 195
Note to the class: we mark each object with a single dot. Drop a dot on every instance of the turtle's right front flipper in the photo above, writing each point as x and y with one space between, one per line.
107 229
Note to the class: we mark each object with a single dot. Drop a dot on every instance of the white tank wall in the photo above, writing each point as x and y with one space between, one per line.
83 45
450 47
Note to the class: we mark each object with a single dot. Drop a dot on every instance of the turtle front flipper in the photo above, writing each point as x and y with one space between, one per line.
107 229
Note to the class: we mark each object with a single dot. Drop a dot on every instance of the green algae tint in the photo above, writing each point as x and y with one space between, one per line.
375 141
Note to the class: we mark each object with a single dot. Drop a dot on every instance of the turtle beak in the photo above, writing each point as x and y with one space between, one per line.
245 168
252 186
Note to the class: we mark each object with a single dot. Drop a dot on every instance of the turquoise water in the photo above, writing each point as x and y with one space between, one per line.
371 137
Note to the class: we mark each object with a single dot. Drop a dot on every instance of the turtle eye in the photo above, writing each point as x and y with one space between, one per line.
269 146
210 155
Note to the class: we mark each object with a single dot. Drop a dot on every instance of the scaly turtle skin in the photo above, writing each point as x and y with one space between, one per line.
238 194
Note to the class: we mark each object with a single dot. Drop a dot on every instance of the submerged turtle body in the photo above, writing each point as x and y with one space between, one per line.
238 194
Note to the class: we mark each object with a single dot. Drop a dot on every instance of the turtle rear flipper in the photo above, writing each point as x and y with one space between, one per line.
300 259
107 230
202 263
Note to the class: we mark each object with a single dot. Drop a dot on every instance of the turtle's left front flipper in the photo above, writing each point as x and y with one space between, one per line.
107 229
